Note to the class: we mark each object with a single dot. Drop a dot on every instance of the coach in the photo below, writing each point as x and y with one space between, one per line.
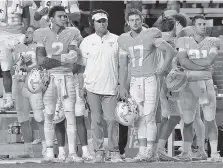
100 57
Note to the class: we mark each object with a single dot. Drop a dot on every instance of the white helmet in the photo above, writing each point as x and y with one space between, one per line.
37 80
127 113
176 80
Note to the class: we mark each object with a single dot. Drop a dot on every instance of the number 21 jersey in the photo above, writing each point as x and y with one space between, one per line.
142 51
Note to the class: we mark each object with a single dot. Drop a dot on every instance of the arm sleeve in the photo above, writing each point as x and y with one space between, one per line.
38 37
77 38
180 44
122 51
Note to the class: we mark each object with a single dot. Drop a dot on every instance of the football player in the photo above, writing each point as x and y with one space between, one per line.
170 28
25 60
197 53
57 50
143 48
80 112
13 21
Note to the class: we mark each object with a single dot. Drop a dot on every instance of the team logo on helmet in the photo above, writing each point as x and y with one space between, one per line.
37 80
127 113
176 80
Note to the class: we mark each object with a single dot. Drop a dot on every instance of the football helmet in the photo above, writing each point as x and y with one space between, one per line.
37 80
127 113
176 80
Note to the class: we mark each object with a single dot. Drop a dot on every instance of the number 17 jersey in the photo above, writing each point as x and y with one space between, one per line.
142 51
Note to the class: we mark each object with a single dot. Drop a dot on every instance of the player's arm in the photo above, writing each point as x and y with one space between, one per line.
123 68
80 73
209 60
168 50
82 59
74 51
186 62
43 60
158 22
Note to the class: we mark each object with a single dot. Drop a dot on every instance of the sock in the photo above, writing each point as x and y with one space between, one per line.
49 130
214 146
71 131
41 130
151 131
182 128
61 150
50 152
44 149
187 147
161 144
84 150
8 96
200 132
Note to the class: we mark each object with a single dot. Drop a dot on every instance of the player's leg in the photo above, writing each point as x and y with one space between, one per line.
123 139
109 104
60 131
200 132
187 105
81 127
36 102
8 40
167 129
209 111
49 100
69 111
23 110
161 116
152 94
140 124
6 66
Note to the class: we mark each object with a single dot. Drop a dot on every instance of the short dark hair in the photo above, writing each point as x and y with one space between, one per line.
181 19
134 11
54 9
176 2
99 11
167 24
197 17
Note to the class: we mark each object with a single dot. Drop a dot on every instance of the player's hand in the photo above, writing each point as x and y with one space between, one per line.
70 58
122 93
